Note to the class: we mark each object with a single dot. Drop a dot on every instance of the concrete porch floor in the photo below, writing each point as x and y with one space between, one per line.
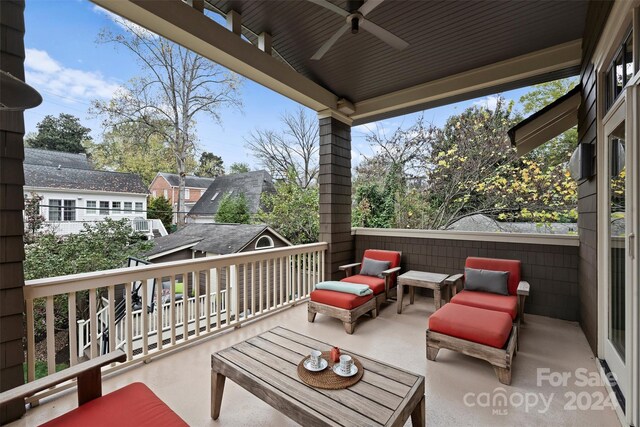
459 389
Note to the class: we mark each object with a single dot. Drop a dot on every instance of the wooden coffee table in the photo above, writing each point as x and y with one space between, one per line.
266 365
421 279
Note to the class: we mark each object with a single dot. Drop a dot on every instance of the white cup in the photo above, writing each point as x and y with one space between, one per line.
315 357
345 363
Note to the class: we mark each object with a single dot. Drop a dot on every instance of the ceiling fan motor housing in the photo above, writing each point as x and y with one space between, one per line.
354 20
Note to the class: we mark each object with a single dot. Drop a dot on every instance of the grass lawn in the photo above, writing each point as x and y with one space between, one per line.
41 369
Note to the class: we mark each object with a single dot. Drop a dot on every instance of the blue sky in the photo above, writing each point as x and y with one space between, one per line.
66 65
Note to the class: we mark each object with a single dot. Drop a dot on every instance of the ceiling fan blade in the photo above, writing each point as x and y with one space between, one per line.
384 35
327 45
332 7
368 6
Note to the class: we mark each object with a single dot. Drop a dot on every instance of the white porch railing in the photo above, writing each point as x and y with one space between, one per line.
84 326
141 225
230 290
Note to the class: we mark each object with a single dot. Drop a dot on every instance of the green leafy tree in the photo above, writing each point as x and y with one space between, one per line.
292 211
62 133
233 209
136 148
239 168
33 220
210 165
558 150
101 246
160 208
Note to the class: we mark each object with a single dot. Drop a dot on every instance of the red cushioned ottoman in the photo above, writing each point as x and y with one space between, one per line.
133 405
485 334
341 305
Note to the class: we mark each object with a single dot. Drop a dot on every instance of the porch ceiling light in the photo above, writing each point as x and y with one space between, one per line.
16 95
546 124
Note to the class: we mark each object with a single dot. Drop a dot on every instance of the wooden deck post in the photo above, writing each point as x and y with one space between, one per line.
335 193
11 205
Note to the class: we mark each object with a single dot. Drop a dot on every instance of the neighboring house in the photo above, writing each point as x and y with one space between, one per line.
167 185
199 240
74 193
485 224
251 184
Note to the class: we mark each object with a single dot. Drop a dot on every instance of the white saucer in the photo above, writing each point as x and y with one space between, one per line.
338 371
307 365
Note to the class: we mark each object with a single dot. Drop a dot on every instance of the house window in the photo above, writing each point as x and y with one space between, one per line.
154 193
128 207
264 242
166 194
187 194
138 206
91 207
104 208
69 213
620 70
55 210
116 207
214 196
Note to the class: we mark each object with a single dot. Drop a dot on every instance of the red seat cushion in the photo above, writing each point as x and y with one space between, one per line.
376 284
339 299
495 264
504 303
133 405
481 326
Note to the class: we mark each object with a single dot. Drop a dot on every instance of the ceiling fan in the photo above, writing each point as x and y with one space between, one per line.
356 19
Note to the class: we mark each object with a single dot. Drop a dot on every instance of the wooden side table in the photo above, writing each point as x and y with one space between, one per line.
420 279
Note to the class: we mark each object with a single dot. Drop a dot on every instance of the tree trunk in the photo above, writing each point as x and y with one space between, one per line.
180 216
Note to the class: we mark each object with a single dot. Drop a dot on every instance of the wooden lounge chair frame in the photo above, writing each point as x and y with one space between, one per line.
500 358
348 317
88 374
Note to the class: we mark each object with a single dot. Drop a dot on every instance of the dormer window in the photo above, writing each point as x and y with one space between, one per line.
264 242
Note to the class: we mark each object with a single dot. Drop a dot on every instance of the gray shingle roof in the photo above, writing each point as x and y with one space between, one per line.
189 181
37 156
218 239
251 184
82 179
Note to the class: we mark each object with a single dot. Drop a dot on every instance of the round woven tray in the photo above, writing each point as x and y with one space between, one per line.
326 378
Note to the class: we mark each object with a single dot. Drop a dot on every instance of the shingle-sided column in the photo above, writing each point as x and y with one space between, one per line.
335 194
11 205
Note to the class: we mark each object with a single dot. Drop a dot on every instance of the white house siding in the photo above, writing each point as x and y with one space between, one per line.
82 214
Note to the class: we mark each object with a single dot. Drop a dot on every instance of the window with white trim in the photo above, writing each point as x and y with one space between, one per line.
91 207
139 207
128 207
264 242
116 207
55 210
166 194
69 213
187 193
104 208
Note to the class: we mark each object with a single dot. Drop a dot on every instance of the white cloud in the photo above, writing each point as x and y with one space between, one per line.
489 102
70 84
